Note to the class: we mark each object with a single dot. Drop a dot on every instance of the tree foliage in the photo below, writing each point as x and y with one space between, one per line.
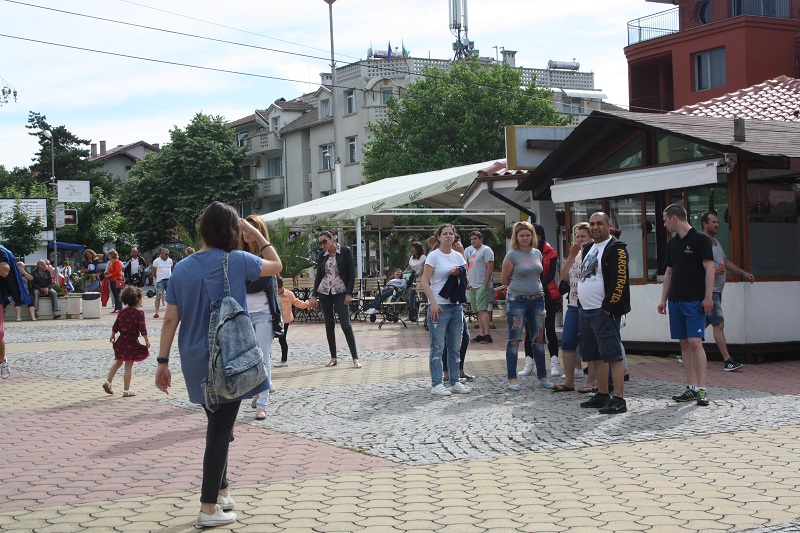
99 222
296 250
454 117
171 188
19 235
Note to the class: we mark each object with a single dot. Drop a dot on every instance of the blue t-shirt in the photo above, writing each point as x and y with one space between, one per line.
197 282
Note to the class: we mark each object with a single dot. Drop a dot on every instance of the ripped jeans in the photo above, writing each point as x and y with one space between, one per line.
519 311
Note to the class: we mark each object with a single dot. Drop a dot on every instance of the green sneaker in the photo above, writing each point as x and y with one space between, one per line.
688 395
702 397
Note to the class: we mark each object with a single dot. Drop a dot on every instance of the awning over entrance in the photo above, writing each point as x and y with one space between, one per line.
381 195
67 246
636 181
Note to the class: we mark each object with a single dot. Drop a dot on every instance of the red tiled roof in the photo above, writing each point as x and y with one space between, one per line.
776 99
499 169
241 121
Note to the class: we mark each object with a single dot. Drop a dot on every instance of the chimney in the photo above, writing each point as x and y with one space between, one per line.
156 147
738 129
102 147
509 57
94 149
326 78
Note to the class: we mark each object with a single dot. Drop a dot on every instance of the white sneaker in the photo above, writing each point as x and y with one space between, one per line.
460 388
226 503
554 369
371 311
219 518
528 367
579 373
440 390
4 370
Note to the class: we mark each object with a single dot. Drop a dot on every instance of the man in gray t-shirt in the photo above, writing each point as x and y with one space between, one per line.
480 265
710 223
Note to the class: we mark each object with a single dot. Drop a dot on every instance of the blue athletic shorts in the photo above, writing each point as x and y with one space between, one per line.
687 320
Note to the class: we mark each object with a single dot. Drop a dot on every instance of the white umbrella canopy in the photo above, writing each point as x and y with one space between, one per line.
381 195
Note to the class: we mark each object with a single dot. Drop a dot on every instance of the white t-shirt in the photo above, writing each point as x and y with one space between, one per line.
417 264
574 279
163 268
591 289
442 265
477 259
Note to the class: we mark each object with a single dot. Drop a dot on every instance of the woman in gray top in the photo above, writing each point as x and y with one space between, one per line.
522 269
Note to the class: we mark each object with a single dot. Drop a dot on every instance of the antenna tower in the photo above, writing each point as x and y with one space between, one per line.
463 47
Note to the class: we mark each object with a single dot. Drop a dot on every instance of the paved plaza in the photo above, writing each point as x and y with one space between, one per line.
345 449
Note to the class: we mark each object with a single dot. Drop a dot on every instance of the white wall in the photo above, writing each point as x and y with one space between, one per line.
761 312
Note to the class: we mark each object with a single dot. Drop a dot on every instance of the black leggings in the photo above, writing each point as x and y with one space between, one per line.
462 354
329 302
219 435
550 306
282 342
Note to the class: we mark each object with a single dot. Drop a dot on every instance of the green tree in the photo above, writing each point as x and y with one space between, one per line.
296 250
454 117
171 188
99 222
19 234
19 179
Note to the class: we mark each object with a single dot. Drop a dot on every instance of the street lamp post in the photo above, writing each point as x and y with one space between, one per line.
334 89
49 135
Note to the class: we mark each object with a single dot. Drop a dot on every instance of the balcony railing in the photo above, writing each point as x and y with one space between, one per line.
700 13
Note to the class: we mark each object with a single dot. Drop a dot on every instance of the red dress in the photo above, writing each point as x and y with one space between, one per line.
130 324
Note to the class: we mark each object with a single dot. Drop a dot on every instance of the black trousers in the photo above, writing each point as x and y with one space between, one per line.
282 342
115 293
329 303
550 306
219 435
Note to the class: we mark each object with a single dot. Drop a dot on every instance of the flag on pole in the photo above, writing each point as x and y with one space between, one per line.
389 50
405 52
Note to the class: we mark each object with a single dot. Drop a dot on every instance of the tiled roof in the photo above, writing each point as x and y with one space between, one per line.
308 119
776 99
123 150
499 169
606 106
241 121
293 105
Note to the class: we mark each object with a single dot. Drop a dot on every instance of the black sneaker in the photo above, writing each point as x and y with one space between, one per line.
688 395
598 401
731 365
702 397
487 339
614 406
479 338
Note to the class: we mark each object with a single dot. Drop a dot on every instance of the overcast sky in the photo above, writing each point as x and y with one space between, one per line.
123 100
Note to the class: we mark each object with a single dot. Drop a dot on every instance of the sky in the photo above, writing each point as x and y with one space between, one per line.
121 100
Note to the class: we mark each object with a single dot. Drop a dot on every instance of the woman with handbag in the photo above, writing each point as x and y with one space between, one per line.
197 281
115 279
90 267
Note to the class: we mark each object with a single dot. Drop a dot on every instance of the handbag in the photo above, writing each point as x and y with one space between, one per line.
119 284
563 287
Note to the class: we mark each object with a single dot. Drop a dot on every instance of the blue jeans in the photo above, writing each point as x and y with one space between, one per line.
262 323
445 331
462 354
521 311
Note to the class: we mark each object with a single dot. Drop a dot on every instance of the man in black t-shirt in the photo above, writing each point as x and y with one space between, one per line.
688 285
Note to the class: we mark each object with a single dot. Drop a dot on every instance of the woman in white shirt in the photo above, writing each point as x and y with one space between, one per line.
445 317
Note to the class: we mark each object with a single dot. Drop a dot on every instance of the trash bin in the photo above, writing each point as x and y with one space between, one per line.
91 304
74 305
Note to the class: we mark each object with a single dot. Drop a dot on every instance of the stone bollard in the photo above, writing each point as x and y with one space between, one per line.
74 305
91 305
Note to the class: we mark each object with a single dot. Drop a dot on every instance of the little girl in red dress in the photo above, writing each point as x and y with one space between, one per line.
127 349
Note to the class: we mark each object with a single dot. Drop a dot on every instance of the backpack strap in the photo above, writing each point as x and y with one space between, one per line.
225 273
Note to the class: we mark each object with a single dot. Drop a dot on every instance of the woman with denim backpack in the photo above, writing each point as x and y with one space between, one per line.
197 281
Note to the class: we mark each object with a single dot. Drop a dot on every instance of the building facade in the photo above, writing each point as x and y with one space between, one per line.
703 49
119 161
290 144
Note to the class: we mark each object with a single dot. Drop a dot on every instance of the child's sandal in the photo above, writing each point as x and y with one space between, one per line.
128 393
107 387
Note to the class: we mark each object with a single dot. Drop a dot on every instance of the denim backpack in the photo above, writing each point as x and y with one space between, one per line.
235 363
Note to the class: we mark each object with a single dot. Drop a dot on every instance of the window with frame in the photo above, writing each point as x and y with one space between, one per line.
629 156
773 210
275 205
326 155
241 138
671 149
386 93
352 149
709 69
274 167
276 123
571 105
325 106
350 96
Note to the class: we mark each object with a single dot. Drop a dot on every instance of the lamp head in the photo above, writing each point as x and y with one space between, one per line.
48 134
329 2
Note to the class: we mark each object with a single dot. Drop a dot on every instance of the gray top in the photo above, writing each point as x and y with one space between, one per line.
719 259
476 261
526 278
